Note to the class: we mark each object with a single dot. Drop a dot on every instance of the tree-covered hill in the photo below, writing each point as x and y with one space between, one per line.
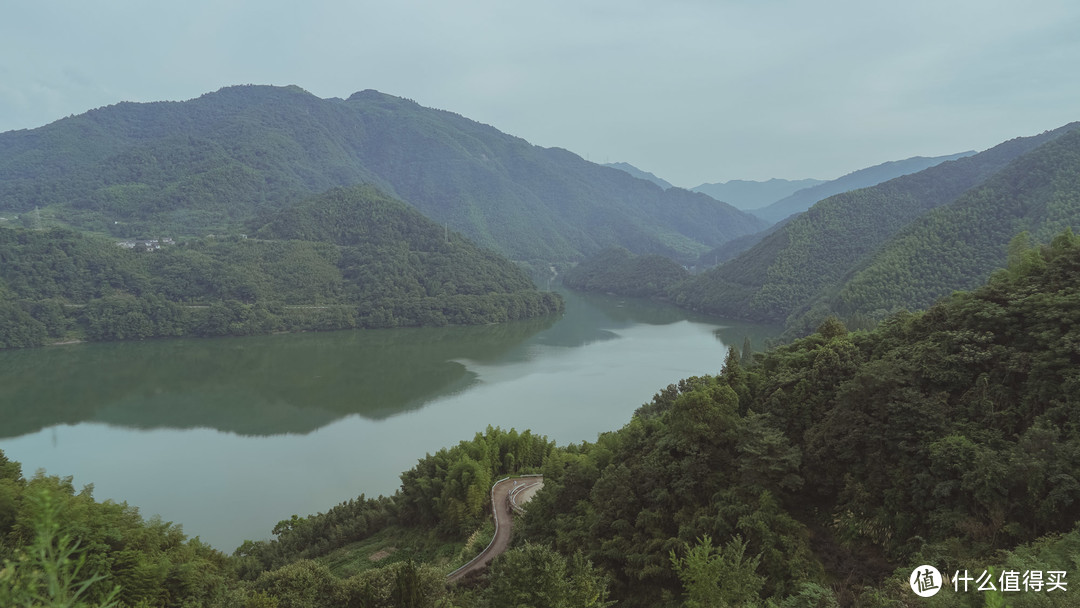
227 161
957 246
947 438
734 247
645 175
618 271
815 251
816 475
379 263
803 199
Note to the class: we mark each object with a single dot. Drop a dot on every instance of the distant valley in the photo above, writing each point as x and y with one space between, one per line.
803 199
866 253
749 195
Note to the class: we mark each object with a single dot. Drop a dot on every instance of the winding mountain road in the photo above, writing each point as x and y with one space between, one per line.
507 496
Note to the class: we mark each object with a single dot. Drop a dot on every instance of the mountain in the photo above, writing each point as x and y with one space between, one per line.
367 261
959 245
804 456
638 173
785 480
863 178
814 252
747 195
734 247
618 271
229 160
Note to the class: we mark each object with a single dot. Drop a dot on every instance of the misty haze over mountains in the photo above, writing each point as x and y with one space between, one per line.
225 160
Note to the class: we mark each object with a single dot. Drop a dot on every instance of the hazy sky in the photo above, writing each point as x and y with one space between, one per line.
694 91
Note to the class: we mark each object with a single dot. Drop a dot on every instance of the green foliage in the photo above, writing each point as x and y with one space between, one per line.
308 584
618 271
378 264
718 577
949 437
535 576
303 584
936 438
957 246
811 595
450 490
812 256
63 548
226 161
309 537
51 570
687 465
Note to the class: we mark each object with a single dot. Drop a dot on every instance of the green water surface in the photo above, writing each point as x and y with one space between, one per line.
228 436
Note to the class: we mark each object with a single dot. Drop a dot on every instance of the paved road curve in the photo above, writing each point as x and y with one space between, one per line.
522 489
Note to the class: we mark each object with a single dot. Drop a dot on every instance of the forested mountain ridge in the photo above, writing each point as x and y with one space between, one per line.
645 175
377 263
618 271
228 160
805 198
750 195
815 475
958 245
814 252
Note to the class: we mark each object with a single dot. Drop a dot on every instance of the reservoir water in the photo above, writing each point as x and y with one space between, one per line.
228 436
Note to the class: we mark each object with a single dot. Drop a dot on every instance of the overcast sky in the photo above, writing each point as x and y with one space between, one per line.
694 91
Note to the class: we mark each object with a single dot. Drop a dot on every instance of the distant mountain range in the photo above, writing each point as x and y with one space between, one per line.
229 160
747 195
802 200
776 199
878 249
783 210
645 175
957 246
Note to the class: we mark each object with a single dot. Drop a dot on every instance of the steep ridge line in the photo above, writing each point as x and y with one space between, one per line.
504 495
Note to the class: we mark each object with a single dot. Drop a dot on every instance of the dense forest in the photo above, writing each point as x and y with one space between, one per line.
811 256
618 271
803 199
371 261
225 162
815 475
957 246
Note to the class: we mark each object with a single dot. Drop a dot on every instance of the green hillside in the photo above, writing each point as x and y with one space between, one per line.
817 475
957 246
814 252
378 263
621 272
803 199
946 438
645 175
227 161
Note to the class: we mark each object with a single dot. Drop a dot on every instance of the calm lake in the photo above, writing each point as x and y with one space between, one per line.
229 436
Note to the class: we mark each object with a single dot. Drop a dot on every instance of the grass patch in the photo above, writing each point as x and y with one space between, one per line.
398 544
391 545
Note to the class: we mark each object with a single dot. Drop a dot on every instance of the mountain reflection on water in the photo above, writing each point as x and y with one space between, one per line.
228 436
292 383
